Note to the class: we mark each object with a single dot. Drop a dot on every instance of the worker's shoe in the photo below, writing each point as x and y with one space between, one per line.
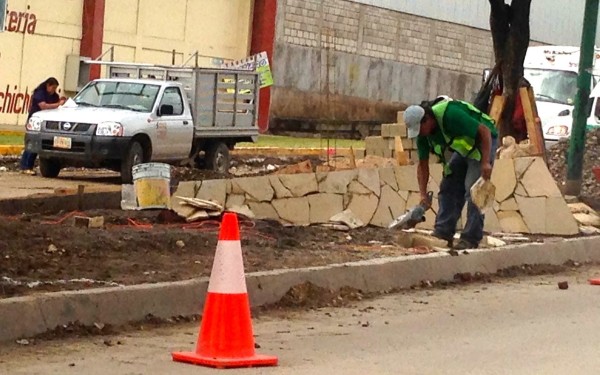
449 239
29 172
464 245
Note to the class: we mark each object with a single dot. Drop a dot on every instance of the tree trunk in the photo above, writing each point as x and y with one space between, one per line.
510 33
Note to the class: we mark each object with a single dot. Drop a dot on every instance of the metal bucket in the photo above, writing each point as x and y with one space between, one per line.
151 182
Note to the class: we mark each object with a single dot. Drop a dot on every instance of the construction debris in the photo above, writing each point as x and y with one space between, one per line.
348 219
302 167
585 215
203 209
89 222
511 150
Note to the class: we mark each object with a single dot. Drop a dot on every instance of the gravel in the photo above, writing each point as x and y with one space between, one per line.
557 161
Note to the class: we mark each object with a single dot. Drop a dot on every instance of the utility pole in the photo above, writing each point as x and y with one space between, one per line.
586 63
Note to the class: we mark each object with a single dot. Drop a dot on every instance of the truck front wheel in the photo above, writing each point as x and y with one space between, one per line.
135 155
218 158
49 168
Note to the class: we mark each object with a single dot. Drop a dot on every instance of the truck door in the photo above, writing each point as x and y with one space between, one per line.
175 127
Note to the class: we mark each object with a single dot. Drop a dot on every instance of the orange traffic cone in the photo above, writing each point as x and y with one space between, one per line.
226 339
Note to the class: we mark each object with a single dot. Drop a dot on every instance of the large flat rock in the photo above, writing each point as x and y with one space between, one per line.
337 182
387 176
503 177
256 188
369 177
391 205
491 223
522 164
559 219
356 187
263 211
509 205
538 181
534 213
324 206
406 176
436 171
363 206
280 190
293 210
300 184
211 190
512 222
235 200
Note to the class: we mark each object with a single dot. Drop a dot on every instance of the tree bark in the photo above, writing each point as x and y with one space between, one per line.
510 34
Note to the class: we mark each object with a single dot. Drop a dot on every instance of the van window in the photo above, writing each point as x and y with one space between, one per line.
556 86
172 96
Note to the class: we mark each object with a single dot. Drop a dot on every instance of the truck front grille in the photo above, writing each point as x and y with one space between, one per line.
75 127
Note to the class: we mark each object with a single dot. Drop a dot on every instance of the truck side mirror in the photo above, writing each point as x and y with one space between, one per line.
166 110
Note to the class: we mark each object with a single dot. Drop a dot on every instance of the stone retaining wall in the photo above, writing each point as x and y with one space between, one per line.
528 200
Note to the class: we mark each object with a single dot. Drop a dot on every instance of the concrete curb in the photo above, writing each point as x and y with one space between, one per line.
6 150
32 315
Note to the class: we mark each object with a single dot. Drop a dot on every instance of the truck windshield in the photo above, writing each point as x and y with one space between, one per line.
138 97
556 86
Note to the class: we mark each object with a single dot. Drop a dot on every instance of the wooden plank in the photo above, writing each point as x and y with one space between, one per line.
401 156
352 158
534 130
538 123
496 109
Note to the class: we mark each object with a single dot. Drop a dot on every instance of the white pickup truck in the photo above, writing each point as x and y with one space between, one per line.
144 113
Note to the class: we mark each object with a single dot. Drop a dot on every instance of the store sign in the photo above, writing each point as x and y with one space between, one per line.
14 101
17 22
258 63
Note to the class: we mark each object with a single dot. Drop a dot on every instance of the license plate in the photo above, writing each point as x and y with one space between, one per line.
62 142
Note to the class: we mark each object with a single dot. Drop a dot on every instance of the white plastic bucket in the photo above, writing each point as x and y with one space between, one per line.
151 182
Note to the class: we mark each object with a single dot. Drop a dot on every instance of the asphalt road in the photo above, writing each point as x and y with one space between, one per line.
517 326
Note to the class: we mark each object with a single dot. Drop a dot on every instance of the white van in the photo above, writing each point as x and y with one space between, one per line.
552 72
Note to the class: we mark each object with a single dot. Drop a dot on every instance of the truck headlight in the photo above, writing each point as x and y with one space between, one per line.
559 130
34 124
109 129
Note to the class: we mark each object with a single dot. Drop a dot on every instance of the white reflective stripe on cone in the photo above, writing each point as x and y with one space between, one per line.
227 275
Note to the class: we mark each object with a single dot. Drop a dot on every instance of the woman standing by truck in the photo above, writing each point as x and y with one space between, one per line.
44 97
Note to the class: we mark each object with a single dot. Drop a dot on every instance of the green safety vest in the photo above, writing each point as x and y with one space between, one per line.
464 145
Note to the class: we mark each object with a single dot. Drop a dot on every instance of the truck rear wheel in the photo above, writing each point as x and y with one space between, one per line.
49 168
135 155
218 158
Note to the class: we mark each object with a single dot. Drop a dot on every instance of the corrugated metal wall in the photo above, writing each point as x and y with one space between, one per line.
552 21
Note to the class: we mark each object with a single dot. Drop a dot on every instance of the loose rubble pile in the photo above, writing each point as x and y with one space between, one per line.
557 162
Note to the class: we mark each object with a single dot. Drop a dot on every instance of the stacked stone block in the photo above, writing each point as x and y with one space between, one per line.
527 199
387 145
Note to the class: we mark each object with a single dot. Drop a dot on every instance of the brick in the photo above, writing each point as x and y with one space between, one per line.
393 130
400 118
359 153
89 222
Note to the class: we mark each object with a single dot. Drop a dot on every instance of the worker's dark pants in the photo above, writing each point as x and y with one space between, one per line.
455 190
28 160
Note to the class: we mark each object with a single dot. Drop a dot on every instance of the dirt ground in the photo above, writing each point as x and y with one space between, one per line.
47 253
